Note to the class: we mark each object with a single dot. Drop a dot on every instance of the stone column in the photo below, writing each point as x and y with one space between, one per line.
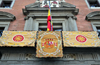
72 24
28 24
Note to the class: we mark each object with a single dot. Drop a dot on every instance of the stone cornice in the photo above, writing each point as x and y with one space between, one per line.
54 16
64 7
73 10
93 16
64 4
36 4
7 16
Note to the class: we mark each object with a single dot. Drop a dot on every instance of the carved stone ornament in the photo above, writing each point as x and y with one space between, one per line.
63 6
36 4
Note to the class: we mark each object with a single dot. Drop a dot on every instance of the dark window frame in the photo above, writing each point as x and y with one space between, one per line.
98 31
6 4
59 28
92 7
1 30
93 3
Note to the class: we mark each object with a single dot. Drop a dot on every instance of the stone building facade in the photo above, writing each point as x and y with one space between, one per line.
67 15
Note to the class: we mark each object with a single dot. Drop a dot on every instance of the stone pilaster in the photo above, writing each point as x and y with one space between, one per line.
28 24
72 24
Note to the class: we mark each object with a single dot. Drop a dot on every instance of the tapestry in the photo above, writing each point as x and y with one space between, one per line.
49 44
80 39
18 38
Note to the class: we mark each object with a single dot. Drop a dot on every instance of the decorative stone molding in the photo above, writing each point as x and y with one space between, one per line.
64 4
36 4
5 16
75 12
64 11
64 7
54 16
93 16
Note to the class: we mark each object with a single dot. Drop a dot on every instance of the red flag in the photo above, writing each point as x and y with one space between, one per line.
49 21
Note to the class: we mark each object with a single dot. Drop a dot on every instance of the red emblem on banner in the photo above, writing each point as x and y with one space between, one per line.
81 38
48 44
18 38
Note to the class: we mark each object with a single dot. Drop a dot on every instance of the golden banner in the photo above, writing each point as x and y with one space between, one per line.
49 44
80 39
18 38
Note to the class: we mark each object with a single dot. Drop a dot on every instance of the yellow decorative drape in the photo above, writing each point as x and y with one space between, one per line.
80 39
49 44
18 38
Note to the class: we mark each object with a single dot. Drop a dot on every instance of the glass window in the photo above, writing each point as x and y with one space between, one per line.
56 27
93 3
6 3
98 30
1 30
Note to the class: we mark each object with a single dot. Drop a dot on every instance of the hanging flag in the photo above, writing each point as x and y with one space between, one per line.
18 38
49 20
80 39
49 44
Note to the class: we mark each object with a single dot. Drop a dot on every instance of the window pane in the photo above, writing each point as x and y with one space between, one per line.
93 3
98 30
42 29
6 4
1 31
56 27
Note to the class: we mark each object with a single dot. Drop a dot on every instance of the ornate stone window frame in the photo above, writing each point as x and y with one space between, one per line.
5 19
33 12
5 25
94 17
68 23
